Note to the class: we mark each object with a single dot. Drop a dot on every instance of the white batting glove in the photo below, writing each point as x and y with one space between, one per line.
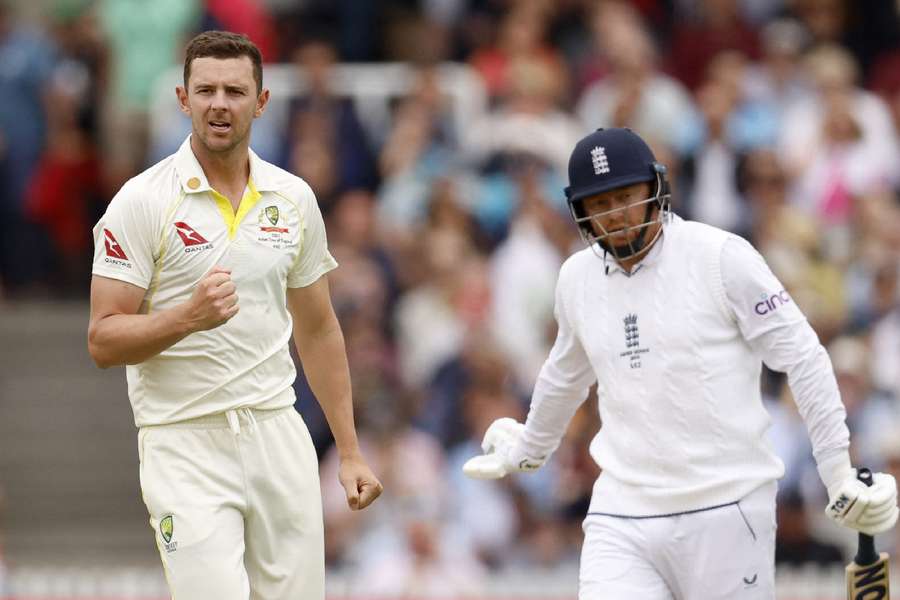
502 452
869 510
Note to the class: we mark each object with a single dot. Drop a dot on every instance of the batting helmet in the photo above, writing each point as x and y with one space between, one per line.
608 159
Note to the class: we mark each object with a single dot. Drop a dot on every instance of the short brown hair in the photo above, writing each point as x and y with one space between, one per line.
223 44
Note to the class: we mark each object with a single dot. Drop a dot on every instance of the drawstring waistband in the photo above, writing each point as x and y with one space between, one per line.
234 419
228 419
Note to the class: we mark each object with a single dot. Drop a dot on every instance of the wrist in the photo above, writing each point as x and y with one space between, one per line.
349 453
183 324
835 469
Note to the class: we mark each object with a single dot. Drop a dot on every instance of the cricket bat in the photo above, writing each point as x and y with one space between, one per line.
868 576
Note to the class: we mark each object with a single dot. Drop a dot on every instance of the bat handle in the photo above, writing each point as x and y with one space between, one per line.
865 554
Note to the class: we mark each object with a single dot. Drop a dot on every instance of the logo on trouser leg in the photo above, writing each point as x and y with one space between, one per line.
166 530
750 582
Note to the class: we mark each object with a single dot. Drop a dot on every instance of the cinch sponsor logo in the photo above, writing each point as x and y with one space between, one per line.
770 303
113 249
193 241
275 229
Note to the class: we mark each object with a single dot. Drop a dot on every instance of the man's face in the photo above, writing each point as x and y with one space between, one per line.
222 101
615 211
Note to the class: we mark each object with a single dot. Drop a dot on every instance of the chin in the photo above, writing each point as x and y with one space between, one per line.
217 144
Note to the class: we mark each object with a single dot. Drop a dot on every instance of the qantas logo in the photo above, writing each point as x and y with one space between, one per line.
113 249
115 255
188 235
193 241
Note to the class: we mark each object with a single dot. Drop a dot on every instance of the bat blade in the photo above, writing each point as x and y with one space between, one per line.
869 582
868 576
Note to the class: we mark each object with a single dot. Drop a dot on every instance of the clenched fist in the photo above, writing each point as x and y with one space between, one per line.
214 300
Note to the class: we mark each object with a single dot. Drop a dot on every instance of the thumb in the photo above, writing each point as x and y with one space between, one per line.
352 491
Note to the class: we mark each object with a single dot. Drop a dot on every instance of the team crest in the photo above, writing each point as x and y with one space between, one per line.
599 160
272 214
633 351
166 528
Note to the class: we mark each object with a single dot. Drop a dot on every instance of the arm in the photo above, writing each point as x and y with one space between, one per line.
320 344
561 387
778 331
118 335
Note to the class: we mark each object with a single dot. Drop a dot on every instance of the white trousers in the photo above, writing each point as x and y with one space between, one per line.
235 504
724 553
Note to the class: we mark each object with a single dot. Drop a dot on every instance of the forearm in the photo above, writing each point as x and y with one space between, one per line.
324 359
554 402
798 353
129 339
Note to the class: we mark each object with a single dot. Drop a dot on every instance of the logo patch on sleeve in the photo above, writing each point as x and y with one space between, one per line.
771 302
115 255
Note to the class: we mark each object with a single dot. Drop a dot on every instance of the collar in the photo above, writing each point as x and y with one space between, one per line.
193 180
611 266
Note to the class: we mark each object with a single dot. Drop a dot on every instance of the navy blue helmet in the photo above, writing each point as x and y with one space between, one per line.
608 159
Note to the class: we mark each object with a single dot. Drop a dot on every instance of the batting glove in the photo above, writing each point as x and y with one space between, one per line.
869 510
503 452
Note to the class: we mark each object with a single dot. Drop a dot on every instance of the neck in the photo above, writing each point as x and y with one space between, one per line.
224 170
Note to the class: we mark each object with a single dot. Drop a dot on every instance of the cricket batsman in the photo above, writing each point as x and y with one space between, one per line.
205 265
673 319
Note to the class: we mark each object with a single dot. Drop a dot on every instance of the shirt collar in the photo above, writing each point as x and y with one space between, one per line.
611 266
193 179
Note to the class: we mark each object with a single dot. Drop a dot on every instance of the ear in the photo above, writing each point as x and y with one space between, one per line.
261 102
183 103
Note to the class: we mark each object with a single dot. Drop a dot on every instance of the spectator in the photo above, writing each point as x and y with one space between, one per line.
717 26
145 40
778 80
527 121
839 144
65 193
520 40
417 156
634 93
327 145
885 350
433 318
713 145
523 273
27 57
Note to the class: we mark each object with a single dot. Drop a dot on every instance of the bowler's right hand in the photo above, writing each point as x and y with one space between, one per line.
503 452
214 300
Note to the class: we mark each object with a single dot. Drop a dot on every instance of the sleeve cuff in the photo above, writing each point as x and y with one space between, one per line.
835 468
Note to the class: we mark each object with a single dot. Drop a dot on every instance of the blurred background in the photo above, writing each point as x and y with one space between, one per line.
435 134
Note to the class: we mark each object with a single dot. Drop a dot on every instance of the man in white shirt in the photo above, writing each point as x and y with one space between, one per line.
673 319
228 470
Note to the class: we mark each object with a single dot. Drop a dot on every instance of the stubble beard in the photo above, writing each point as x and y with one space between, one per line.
226 146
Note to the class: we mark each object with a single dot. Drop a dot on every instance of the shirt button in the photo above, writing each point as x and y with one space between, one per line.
193 183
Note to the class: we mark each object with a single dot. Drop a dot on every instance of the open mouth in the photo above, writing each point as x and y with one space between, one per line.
220 126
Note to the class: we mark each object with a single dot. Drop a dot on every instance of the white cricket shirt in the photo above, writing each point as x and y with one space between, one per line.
165 230
676 349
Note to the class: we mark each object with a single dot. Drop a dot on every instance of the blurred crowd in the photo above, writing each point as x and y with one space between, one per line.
778 120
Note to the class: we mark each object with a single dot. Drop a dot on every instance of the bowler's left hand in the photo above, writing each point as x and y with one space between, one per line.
360 484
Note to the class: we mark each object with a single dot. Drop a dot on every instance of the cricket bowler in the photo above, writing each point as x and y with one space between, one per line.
205 266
